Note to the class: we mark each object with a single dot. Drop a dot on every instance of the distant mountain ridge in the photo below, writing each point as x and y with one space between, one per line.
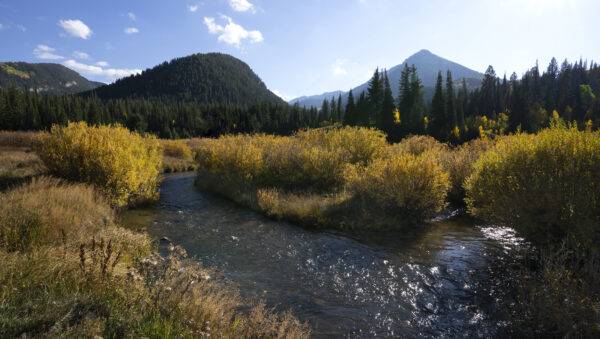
44 78
198 78
428 65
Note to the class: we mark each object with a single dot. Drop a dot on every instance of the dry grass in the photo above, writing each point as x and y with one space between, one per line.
49 211
18 164
68 270
19 138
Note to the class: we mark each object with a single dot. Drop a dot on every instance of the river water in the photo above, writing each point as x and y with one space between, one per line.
433 281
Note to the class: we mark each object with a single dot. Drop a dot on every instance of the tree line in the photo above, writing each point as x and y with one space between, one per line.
28 110
454 114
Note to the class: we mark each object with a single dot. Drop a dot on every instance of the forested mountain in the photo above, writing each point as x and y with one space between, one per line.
44 78
199 78
427 64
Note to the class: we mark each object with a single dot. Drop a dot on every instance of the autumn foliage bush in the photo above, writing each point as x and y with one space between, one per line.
546 185
309 160
319 177
412 187
121 164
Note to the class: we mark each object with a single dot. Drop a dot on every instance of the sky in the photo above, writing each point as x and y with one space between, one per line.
298 47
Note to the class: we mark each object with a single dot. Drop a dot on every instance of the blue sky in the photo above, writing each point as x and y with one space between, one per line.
299 47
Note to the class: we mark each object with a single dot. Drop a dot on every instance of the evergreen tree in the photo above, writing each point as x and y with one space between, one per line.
438 121
386 119
340 109
417 111
451 117
350 116
375 97
405 99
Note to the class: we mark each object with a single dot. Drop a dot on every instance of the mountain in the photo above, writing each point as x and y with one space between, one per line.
317 100
198 78
428 65
43 77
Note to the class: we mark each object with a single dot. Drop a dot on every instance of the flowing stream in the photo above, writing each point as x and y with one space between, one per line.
433 281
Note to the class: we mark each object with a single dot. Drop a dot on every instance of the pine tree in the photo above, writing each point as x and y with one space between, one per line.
405 99
350 116
417 111
324 113
438 122
386 119
452 120
375 97
340 109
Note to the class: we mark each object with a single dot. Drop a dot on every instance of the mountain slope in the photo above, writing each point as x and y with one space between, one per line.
198 78
43 77
428 65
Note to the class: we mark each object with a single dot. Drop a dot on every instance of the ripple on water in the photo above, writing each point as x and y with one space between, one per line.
419 283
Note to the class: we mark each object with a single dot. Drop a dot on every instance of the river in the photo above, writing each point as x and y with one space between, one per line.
433 281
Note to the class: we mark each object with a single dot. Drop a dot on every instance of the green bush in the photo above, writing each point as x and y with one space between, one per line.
121 164
546 185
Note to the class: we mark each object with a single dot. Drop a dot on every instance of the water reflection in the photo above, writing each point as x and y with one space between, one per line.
426 282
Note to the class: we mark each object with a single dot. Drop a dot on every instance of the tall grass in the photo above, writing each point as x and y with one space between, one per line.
68 270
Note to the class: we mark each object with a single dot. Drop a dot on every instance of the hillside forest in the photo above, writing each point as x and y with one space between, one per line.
454 114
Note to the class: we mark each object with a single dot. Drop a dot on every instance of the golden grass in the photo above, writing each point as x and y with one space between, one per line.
68 270
19 138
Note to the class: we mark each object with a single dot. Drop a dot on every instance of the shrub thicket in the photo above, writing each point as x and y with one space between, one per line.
316 177
546 185
121 164
310 160
411 187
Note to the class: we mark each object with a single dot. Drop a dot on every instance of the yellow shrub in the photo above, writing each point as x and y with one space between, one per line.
459 164
546 185
176 149
312 159
412 187
418 144
121 164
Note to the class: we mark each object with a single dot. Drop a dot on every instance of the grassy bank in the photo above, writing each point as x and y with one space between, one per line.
69 270
17 162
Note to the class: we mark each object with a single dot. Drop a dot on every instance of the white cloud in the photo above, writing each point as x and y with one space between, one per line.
110 73
231 33
102 63
46 52
76 28
338 70
193 8
131 30
1 26
339 67
131 16
22 28
241 5
81 55
283 96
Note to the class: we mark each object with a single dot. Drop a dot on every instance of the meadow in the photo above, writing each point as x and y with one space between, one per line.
71 269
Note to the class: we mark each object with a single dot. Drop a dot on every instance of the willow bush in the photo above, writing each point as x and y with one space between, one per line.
317 177
405 185
545 185
121 164
309 160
